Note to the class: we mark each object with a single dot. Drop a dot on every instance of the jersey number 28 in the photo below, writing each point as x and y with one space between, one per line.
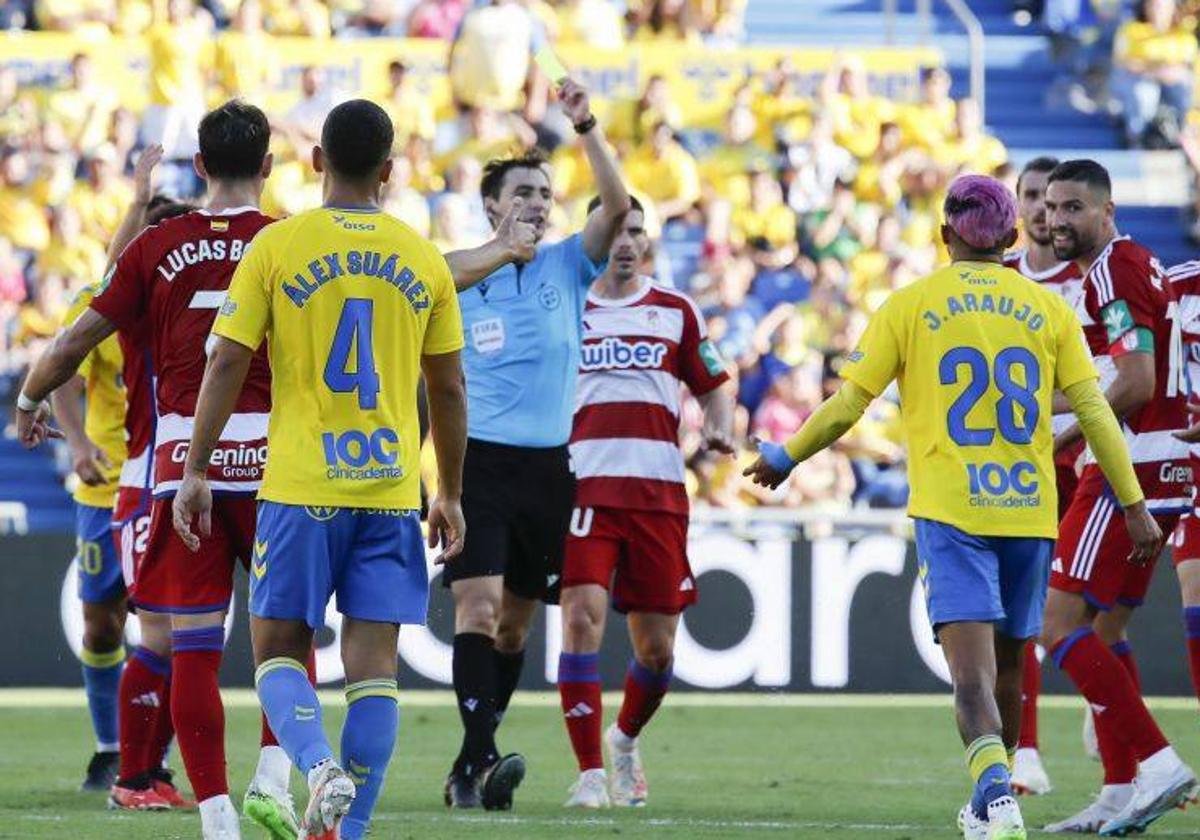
354 332
1012 394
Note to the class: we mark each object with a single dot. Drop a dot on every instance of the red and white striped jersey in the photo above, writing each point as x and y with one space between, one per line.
168 284
1065 280
636 353
1126 292
1185 280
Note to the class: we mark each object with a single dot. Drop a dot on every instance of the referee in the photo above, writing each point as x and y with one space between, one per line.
522 329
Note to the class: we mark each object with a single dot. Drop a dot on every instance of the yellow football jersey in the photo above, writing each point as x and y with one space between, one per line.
104 417
349 301
978 351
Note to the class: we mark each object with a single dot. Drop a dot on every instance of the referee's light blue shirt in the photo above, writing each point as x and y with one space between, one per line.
522 327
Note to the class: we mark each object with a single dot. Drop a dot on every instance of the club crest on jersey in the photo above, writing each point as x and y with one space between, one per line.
549 297
614 353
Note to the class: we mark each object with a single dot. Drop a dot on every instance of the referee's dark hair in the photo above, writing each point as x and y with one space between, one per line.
1084 171
1045 163
634 204
233 140
356 139
495 170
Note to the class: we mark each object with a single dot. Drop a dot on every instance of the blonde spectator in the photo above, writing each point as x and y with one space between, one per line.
1155 57
302 122
719 18
490 59
666 172
103 196
436 19
22 220
180 58
969 148
83 108
929 121
245 59
596 23
464 179
78 258
410 108
767 217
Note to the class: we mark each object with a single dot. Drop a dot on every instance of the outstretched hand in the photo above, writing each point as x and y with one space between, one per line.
143 173
773 465
575 101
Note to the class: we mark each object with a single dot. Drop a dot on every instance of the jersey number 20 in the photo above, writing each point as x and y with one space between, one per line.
354 330
1012 394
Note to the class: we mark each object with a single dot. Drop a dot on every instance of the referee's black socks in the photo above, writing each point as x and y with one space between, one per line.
508 674
475 684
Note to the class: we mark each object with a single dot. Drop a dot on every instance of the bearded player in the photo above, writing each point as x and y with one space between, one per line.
1130 320
978 352
165 291
1038 262
628 532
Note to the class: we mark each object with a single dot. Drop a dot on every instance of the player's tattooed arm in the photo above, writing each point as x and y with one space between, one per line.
224 374
1132 388
514 241
58 364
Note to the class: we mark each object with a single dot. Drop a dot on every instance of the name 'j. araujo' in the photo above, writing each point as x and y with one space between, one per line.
1002 305
357 264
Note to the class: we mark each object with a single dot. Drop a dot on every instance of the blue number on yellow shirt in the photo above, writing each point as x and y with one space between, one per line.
1012 394
354 327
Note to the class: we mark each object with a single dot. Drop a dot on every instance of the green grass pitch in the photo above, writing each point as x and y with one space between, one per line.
823 767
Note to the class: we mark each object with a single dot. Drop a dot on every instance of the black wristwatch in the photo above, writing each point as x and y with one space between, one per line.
587 125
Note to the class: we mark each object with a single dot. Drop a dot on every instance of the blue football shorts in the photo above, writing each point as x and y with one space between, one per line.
1001 580
96 560
372 560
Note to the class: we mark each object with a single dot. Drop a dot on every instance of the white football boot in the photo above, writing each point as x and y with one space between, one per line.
1028 775
590 791
628 783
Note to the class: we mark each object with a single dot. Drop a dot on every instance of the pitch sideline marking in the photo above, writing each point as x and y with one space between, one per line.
245 698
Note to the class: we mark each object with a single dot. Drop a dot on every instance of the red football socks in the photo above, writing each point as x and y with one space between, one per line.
196 708
143 698
579 690
644 691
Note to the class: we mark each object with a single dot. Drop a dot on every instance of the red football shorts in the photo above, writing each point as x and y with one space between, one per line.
131 530
173 579
1092 554
640 556
1185 542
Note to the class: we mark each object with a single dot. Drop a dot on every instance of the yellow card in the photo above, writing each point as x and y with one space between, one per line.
551 66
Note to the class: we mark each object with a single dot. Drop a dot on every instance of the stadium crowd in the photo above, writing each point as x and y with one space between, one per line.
789 222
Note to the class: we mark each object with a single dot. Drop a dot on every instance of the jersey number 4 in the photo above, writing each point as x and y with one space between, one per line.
354 334
1013 394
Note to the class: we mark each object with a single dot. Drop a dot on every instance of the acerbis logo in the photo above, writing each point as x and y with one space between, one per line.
614 353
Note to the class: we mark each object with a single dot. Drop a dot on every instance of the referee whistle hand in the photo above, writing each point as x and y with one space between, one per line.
447 528
1144 533
193 500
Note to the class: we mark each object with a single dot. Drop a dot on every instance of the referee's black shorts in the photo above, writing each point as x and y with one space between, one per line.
517 501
